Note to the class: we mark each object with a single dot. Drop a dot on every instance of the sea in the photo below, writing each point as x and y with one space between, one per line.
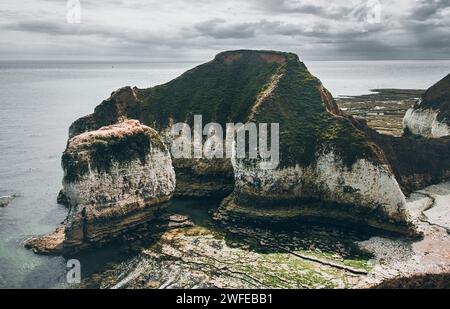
40 99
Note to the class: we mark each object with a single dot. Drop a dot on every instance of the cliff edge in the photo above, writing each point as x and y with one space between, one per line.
430 117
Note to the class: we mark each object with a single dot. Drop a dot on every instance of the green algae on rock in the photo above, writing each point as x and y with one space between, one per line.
199 257
296 255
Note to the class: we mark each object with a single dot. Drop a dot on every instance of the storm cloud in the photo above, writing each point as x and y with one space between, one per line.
185 30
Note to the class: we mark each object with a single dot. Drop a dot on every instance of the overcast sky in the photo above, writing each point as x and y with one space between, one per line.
197 29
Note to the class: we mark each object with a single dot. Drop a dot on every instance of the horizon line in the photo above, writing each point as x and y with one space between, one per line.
143 60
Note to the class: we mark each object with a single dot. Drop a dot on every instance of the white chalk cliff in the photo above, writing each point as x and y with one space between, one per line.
371 189
424 122
115 179
430 117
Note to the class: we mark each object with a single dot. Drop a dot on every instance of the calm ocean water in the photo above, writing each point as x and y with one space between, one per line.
38 102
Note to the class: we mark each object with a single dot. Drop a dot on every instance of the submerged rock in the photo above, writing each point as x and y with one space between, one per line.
430 117
62 198
6 200
115 179
330 167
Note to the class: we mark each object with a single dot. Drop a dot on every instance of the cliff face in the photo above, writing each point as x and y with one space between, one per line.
365 194
115 179
416 163
242 86
223 90
431 116
328 164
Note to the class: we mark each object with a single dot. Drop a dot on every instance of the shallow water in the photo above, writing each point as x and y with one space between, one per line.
38 102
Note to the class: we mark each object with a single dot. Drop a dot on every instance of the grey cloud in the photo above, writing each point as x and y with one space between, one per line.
220 29
85 30
428 9
317 29
302 7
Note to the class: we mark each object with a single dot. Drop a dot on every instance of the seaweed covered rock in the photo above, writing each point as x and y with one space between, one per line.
115 179
329 166
430 117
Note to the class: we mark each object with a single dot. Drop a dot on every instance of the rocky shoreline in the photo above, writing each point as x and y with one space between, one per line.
299 256
384 109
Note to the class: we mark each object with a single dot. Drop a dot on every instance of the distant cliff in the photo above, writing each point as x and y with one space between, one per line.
430 117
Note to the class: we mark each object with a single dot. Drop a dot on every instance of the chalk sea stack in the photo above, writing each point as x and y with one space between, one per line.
115 179
430 117
330 168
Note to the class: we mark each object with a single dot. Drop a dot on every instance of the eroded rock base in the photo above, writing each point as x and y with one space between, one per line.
263 212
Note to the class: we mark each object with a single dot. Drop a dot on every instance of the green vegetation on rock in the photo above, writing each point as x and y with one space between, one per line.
438 98
227 89
98 152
